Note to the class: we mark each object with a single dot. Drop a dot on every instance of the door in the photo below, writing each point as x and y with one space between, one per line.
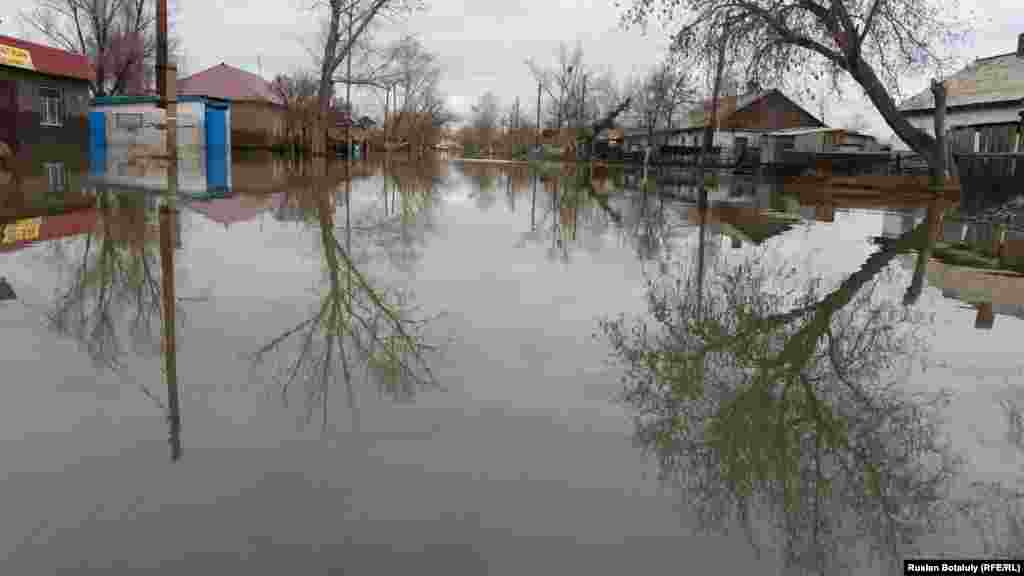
216 149
97 143
9 113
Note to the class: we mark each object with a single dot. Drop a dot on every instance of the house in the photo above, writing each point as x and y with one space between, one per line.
984 102
44 98
128 142
740 121
258 115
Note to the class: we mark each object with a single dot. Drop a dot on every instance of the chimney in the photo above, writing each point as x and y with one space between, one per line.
1020 46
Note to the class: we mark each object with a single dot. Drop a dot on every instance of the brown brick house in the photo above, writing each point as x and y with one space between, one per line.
257 114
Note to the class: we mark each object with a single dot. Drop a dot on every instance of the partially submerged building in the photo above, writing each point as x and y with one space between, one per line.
44 96
128 143
984 102
258 114
740 122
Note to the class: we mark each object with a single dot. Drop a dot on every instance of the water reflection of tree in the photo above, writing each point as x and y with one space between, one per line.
410 193
359 330
115 282
768 410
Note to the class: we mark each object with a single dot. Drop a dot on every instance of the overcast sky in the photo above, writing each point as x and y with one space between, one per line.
483 45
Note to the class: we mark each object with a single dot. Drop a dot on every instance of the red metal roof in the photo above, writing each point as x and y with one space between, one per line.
229 83
234 209
52 61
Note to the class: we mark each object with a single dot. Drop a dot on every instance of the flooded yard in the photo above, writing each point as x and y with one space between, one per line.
467 368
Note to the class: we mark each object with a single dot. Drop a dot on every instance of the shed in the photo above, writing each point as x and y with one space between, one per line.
817 140
126 140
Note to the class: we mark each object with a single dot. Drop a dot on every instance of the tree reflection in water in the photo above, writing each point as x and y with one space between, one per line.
359 329
771 408
115 281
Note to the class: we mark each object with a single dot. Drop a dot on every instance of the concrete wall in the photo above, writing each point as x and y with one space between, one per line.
191 125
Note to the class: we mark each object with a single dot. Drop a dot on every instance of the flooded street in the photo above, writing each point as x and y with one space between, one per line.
447 367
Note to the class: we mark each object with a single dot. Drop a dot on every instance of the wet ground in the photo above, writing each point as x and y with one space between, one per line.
420 368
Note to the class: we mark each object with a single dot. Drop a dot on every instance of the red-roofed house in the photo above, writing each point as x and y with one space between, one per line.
257 114
44 96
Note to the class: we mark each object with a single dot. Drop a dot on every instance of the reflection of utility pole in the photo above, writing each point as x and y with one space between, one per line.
168 217
538 114
533 204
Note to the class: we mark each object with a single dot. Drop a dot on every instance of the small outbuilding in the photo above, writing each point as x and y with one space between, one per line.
127 140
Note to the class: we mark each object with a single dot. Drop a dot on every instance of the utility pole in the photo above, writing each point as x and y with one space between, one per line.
348 93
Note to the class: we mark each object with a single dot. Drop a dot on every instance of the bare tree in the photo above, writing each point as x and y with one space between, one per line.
424 111
561 81
118 37
874 42
298 93
343 23
486 118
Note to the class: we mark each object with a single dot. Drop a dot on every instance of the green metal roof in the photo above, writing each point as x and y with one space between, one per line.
133 100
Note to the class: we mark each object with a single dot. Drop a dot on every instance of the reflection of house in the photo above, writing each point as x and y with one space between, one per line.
257 113
236 208
44 95
25 232
983 103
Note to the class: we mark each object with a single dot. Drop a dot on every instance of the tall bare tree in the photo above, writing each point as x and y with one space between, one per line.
343 23
118 37
561 81
874 42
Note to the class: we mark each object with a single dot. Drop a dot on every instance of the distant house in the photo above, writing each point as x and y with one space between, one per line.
816 140
740 121
258 115
984 102
44 96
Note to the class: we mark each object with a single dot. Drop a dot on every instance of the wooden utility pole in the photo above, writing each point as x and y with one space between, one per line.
348 93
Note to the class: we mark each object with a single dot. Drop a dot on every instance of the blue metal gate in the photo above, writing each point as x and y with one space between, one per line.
97 143
217 152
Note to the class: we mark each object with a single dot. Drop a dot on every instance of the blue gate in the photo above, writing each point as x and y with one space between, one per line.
217 152
97 143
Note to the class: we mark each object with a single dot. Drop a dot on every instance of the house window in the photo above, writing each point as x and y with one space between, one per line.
51 107
56 176
128 122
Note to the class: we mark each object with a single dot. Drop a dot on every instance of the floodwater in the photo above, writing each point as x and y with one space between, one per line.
437 366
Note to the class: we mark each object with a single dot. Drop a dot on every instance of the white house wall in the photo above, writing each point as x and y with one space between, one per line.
190 120
956 118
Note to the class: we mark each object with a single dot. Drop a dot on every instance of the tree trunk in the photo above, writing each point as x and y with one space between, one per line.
918 140
938 163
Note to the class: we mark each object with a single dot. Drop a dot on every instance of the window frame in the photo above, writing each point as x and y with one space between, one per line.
47 99
56 177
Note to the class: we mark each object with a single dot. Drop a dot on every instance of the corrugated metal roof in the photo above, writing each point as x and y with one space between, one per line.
53 61
802 131
985 81
229 83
